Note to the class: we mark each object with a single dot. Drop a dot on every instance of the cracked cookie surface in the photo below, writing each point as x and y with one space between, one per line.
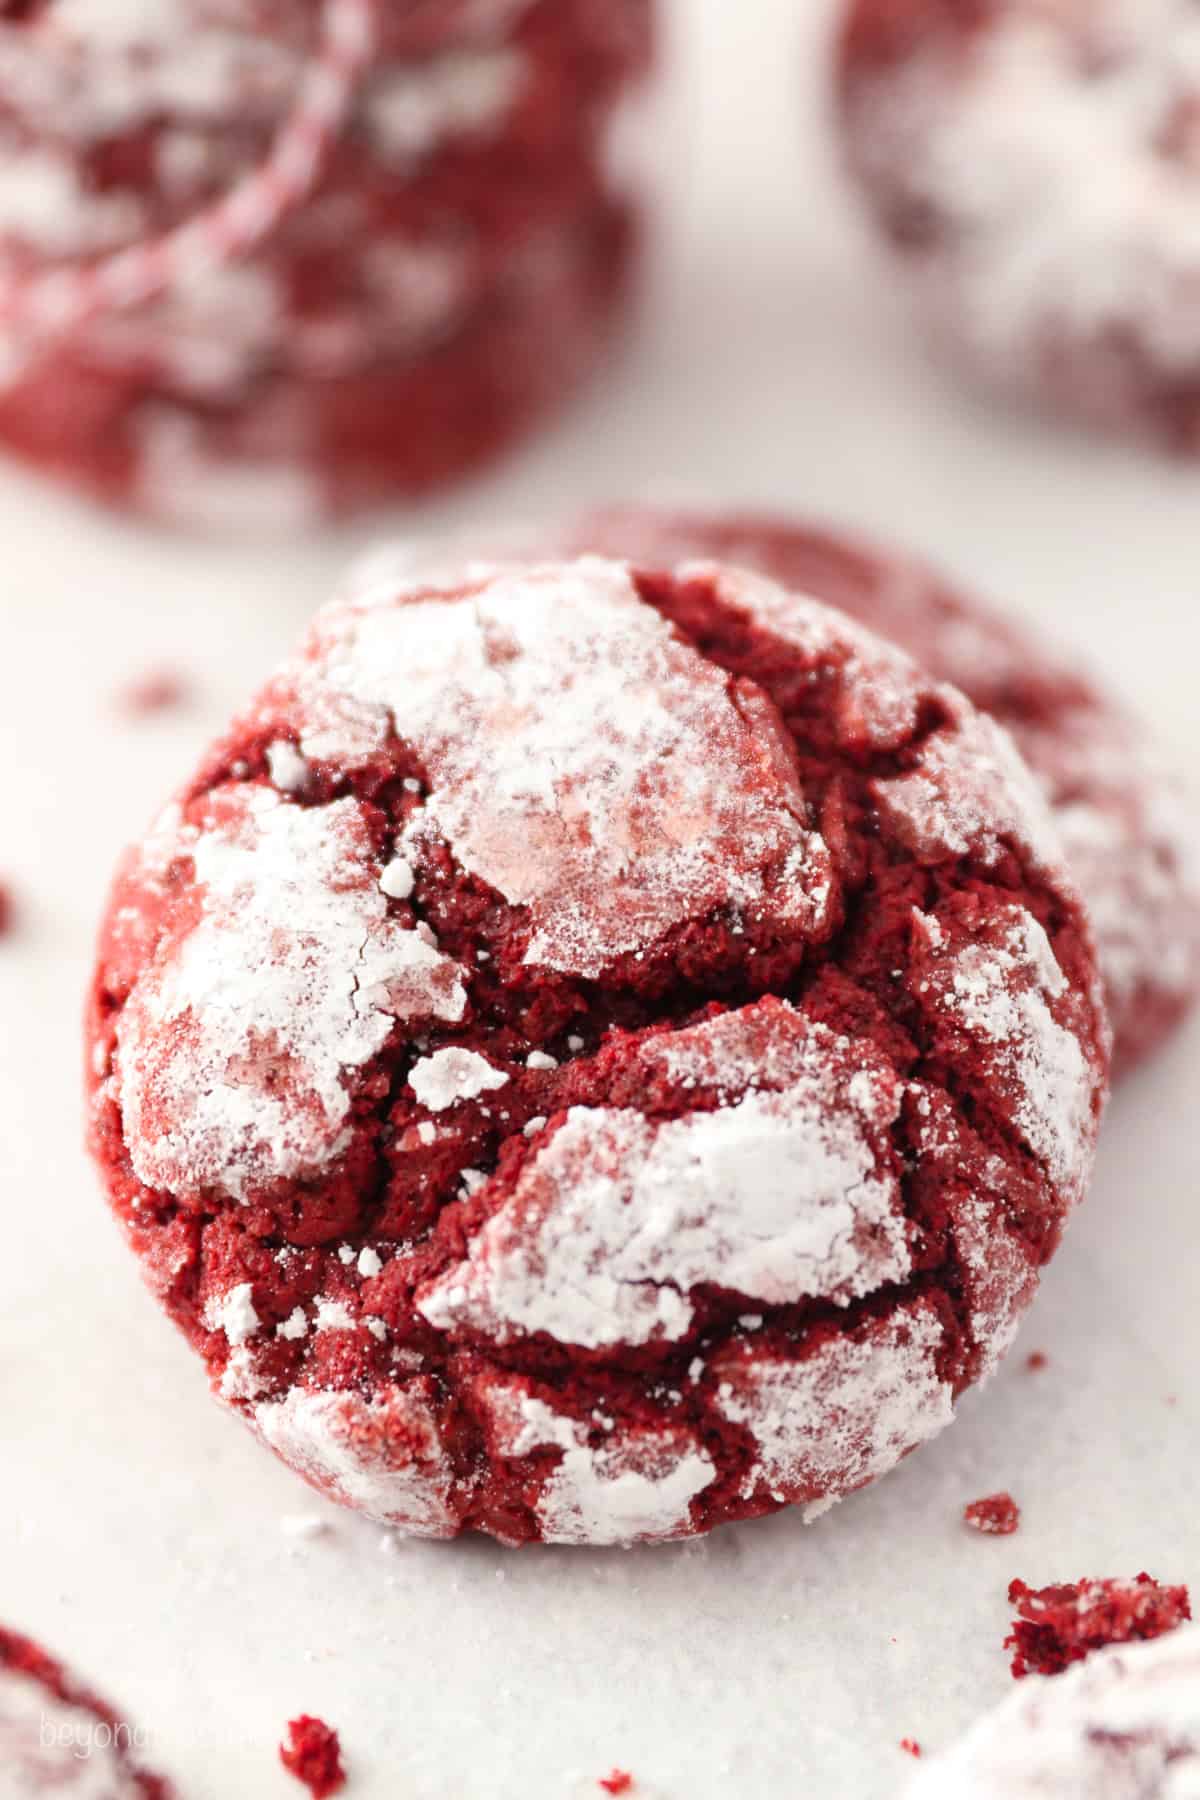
1127 822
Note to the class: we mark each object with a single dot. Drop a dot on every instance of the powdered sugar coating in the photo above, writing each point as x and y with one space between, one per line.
450 1076
384 1458
1123 1725
999 1277
831 1421
879 704
999 990
785 1192
538 702
970 793
181 481
234 1314
1037 163
292 965
414 108
631 1488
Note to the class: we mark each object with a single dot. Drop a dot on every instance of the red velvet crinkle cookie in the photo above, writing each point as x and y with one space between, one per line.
313 447
1126 821
1124 1725
449 273
592 1055
1036 166
57 1738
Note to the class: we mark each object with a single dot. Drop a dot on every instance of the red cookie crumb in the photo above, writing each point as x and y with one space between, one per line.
1062 1624
154 691
998 1514
314 1756
619 1782
910 1746
1036 1360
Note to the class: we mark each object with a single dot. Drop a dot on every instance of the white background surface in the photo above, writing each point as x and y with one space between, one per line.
140 1528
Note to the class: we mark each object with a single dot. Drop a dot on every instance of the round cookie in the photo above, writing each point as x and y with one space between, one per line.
57 1738
1124 1725
1126 822
592 1055
1035 167
311 446
454 271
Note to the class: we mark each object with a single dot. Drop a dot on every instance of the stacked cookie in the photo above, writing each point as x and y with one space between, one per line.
264 260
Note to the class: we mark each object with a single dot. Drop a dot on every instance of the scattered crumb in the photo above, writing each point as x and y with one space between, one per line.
619 1782
911 1746
1059 1625
314 1756
304 1525
154 691
997 1514
1037 1359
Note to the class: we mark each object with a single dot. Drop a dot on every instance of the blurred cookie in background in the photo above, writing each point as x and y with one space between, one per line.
1124 1725
57 1737
1036 169
262 261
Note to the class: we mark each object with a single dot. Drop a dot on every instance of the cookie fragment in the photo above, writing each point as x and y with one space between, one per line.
1056 1626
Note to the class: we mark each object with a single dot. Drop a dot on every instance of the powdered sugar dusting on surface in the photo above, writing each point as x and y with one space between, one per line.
581 759
1125 1721
999 1279
384 1456
182 482
970 794
233 1314
999 991
45 204
881 687
48 1746
293 967
104 69
633 1487
780 1193
1045 155
450 1076
842 1416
